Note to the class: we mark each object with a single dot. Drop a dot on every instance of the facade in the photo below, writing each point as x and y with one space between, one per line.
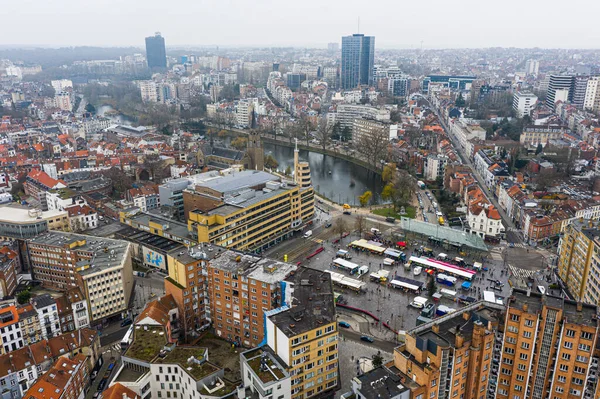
579 260
66 379
579 88
82 218
47 312
532 67
9 267
294 80
364 126
10 330
305 341
63 101
61 85
29 322
358 55
148 90
547 348
592 95
244 111
347 113
38 183
452 82
171 196
556 83
464 131
100 268
541 134
435 166
248 210
72 311
23 223
524 103
156 54
263 374
146 197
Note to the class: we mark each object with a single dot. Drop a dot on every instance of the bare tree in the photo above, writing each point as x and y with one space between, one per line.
340 227
404 188
155 166
373 145
360 224
323 133
305 127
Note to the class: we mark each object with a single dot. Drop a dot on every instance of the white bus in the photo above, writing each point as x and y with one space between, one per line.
127 339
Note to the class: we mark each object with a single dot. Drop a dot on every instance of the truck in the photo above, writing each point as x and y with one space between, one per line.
342 253
421 185
419 302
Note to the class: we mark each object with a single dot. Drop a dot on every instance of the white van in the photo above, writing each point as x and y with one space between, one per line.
375 231
363 270
307 234
419 302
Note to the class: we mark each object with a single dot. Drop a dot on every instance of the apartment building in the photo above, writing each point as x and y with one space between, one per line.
524 103
365 127
579 260
66 379
450 357
9 267
548 348
464 131
303 334
538 134
99 267
249 210
10 330
241 289
73 312
29 322
47 314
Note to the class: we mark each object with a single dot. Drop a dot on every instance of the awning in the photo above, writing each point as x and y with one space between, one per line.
401 243
466 285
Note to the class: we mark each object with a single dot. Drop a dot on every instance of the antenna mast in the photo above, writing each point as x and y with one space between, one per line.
358 26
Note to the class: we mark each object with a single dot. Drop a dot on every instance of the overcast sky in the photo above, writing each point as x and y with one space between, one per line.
394 23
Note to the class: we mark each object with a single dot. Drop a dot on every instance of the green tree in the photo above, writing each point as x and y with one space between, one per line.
288 171
460 101
387 192
539 149
23 297
89 107
239 143
271 162
377 360
365 198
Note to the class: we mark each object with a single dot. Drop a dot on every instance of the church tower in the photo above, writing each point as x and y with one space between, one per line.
255 153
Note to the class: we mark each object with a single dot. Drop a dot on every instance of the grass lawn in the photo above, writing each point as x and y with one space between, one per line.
410 212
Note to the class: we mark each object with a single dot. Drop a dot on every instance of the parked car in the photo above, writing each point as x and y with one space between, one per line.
390 219
344 324
126 322
366 338
101 385
328 224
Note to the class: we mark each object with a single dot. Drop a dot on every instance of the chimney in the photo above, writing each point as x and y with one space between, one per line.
435 328
579 306
528 292
525 307
460 340
466 315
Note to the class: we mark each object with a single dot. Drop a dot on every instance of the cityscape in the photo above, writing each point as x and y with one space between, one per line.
347 220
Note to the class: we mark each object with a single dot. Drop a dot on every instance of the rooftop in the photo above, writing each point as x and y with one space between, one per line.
273 370
239 180
105 252
312 304
174 228
148 239
262 269
380 383
181 354
452 236
147 343
13 213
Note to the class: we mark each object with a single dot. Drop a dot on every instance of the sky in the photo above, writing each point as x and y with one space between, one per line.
306 23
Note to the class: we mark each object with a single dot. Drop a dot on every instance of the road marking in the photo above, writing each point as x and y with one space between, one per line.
521 273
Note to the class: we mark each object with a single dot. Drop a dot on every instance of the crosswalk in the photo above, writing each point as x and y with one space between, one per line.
521 273
519 245
113 348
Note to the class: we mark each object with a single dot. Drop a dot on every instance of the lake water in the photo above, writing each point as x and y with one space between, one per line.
117 118
337 185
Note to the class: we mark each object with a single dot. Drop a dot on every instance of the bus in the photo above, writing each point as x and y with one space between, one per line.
345 265
127 339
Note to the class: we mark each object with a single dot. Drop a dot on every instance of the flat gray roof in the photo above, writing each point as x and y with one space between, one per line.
175 228
106 252
239 180
456 237
263 269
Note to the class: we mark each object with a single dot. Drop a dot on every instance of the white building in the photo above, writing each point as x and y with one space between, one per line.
463 131
14 71
81 314
45 306
347 113
10 330
82 218
435 166
277 385
63 101
92 126
361 127
148 90
243 113
484 220
524 103
532 67
61 85
592 95
50 170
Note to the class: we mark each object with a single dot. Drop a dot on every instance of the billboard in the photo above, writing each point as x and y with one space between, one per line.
154 259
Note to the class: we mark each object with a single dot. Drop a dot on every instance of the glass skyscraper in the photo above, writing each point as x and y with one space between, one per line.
358 57
156 54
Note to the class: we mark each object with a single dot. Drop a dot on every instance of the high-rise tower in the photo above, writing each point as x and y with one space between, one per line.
156 54
358 57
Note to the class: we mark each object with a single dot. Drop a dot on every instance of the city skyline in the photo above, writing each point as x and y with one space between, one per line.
234 24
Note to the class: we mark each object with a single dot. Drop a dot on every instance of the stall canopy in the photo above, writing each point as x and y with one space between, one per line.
466 285
401 243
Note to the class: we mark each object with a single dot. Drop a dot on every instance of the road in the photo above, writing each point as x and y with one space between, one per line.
113 336
383 345
512 234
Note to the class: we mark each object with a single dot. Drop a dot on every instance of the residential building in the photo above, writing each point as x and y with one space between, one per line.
358 55
61 198
18 222
524 103
450 357
532 67
483 218
547 348
303 334
82 218
592 95
244 112
148 90
61 85
171 196
63 101
556 83
241 289
347 113
11 335
380 383
294 80
66 379
264 375
47 312
456 83
72 310
9 267
464 131
99 267
38 183
541 134
92 126
146 197
435 166
156 54
579 88
579 260
119 391
29 322
162 312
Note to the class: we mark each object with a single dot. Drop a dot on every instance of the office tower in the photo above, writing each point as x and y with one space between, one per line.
579 260
532 67
294 80
558 83
358 57
333 47
548 348
156 54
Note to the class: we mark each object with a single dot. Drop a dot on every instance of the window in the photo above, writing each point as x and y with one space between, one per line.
528 323
525 345
561 378
586 335
563 367
433 383
570 333
566 356
523 356
527 334
514 317
584 347
568 345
